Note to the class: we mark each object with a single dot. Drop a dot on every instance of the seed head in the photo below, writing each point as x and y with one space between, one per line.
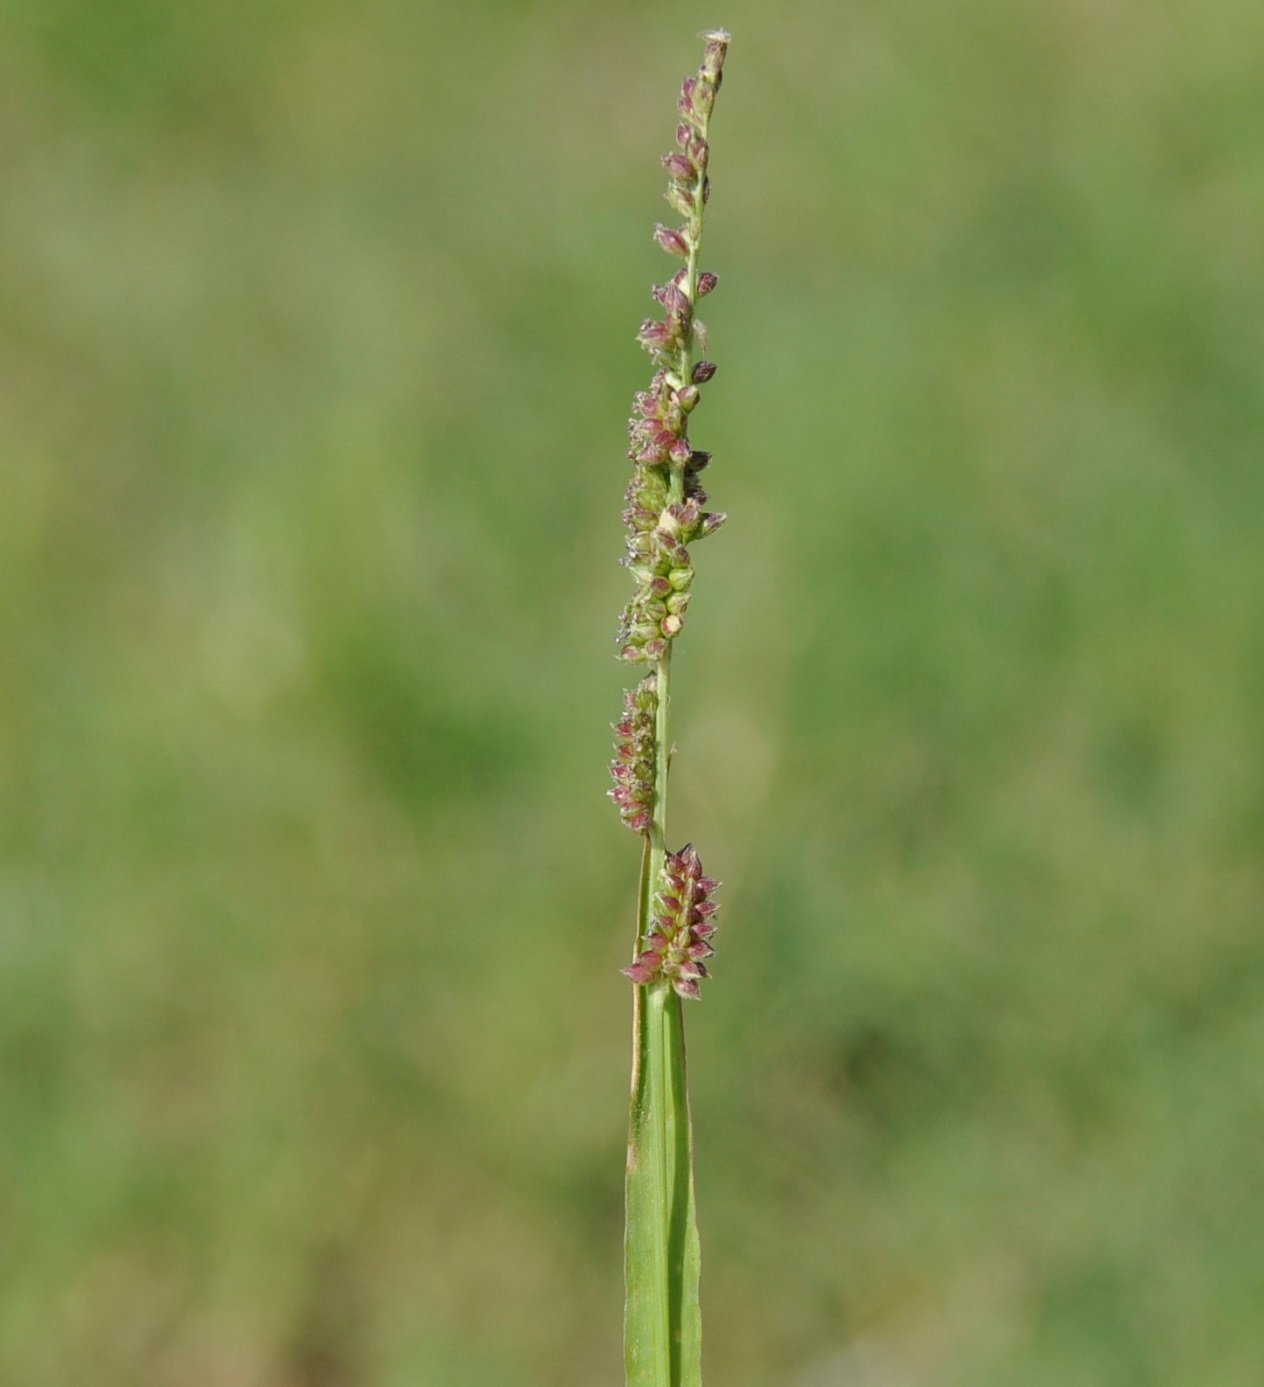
681 929
664 511
632 769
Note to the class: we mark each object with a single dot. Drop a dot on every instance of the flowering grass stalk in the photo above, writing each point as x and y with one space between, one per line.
664 516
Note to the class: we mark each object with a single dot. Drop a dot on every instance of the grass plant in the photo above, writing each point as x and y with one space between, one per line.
664 515
315 326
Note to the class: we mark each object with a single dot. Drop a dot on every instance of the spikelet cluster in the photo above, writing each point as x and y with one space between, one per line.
679 937
632 769
665 499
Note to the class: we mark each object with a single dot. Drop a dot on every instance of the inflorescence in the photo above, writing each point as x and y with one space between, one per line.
632 769
664 515
664 512
680 936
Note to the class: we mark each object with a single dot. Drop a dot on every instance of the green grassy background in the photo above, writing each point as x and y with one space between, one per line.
315 351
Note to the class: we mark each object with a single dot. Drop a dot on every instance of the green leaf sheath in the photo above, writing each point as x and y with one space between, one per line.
663 1331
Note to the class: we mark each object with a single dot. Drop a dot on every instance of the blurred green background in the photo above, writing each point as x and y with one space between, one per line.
315 354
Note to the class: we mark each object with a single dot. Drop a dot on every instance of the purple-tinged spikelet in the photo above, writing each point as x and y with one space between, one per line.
681 930
632 769
671 241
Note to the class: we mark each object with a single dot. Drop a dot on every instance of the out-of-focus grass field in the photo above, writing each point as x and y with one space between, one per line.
315 350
